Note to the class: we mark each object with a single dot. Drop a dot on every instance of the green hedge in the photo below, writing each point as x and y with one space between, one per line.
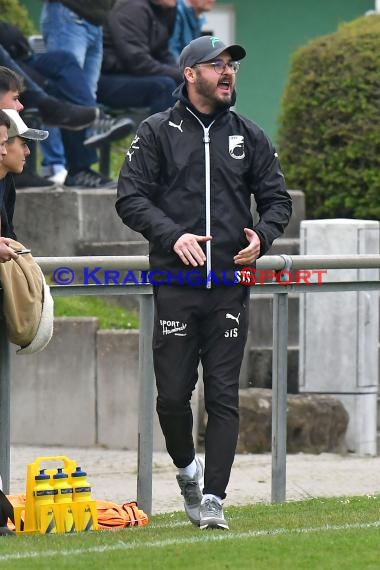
11 11
329 135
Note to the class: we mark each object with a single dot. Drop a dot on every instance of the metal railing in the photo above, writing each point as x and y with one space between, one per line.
280 292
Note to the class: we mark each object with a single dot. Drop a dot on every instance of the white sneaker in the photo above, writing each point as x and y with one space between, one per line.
211 515
59 177
191 489
55 173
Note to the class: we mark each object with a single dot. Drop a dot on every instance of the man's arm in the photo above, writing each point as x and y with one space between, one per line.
137 186
274 204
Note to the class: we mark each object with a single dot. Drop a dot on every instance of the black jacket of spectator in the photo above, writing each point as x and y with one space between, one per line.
136 38
93 11
7 206
14 41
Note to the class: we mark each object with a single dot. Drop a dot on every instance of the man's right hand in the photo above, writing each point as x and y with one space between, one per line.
188 249
6 252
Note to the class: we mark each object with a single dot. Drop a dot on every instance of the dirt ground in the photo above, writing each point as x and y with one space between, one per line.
113 475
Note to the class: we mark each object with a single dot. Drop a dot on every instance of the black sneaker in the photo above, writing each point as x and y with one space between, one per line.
65 115
108 129
30 180
6 512
88 178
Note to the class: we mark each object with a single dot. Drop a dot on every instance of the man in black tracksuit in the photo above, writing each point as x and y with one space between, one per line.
186 185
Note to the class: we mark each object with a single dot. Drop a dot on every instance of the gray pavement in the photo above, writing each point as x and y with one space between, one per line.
113 475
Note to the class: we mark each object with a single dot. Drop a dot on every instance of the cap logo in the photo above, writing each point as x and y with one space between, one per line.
214 40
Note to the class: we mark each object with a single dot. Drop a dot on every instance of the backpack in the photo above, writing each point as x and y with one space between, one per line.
111 515
28 306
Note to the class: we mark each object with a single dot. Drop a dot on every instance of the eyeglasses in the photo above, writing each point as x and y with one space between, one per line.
220 66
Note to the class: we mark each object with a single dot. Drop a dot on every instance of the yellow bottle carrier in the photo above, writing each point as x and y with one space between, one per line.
57 499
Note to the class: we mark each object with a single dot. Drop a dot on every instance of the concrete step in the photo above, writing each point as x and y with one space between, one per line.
62 218
112 248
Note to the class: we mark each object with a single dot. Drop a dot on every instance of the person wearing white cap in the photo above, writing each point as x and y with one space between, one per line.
13 162
4 126
38 311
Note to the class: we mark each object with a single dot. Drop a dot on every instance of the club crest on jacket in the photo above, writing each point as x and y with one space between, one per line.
236 146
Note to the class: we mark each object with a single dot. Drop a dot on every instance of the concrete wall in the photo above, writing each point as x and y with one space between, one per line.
339 331
69 217
118 390
81 390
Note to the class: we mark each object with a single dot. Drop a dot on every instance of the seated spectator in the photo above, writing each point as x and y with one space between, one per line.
4 126
11 87
61 76
138 68
76 26
188 24
6 253
52 110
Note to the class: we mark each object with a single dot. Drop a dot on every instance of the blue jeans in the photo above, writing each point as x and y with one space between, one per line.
33 93
60 27
64 80
118 90
63 77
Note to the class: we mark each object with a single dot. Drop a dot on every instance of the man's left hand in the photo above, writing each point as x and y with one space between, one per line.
248 255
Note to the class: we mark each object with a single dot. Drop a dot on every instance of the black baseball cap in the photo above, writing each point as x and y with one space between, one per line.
207 48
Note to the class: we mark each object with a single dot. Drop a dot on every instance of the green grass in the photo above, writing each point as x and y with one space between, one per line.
110 315
118 152
318 534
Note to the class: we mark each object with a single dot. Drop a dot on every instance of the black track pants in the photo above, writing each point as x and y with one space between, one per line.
208 325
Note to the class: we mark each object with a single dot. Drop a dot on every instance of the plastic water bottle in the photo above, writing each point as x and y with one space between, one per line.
44 497
81 487
82 495
64 496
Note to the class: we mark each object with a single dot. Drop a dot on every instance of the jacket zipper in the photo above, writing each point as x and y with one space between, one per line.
206 141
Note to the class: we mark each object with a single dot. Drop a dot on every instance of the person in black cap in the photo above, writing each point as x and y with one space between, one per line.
186 185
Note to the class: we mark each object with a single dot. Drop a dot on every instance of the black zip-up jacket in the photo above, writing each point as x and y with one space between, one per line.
180 177
7 206
136 39
94 11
